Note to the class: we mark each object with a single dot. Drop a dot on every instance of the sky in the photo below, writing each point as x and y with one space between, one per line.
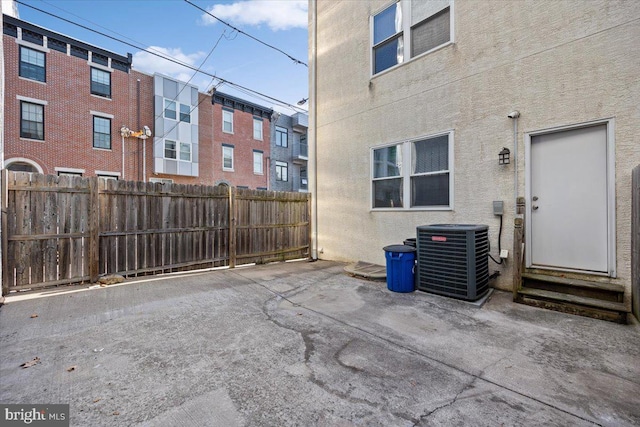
185 33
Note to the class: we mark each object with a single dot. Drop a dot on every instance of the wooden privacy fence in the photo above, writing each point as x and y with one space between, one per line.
63 230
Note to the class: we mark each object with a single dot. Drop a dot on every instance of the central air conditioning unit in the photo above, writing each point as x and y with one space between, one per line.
453 260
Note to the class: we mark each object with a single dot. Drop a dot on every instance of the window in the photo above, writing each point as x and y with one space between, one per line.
101 133
282 171
32 64
282 137
177 150
161 180
407 29
425 180
31 120
227 157
387 177
303 178
430 172
257 129
257 162
185 113
169 109
170 149
100 83
185 152
227 121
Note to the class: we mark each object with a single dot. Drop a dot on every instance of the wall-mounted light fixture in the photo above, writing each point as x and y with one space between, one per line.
504 156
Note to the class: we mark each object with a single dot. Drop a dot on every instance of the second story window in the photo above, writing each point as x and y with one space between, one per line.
227 121
100 83
177 150
31 120
282 137
407 29
227 157
101 133
32 64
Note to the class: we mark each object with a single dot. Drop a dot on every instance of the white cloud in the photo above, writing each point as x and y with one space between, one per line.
149 63
277 14
9 7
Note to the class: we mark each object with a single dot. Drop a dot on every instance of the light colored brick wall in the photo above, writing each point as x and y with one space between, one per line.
558 63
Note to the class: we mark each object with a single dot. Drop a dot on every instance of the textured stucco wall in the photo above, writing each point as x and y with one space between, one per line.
559 63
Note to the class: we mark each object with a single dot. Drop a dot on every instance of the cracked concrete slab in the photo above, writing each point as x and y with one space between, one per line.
299 344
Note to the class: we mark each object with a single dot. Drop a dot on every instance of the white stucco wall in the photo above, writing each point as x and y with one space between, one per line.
557 62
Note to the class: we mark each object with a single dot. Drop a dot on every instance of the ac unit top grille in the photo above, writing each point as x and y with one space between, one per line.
453 259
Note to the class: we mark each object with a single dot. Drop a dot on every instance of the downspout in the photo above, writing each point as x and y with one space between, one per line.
144 175
313 143
514 115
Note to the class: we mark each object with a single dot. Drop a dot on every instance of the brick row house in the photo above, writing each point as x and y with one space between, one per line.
73 108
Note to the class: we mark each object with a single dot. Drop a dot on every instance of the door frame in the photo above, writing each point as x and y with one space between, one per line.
611 192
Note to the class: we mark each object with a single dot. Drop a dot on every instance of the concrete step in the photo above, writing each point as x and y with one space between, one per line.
583 306
566 285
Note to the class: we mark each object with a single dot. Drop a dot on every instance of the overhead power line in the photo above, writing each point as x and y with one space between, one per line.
297 61
170 59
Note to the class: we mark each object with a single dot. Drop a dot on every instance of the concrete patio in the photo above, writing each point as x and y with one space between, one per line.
302 344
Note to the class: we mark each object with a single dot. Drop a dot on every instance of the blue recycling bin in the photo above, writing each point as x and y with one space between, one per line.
401 260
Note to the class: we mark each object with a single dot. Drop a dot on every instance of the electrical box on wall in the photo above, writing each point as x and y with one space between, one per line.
498 207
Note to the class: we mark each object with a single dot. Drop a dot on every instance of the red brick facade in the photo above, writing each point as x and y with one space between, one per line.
69 108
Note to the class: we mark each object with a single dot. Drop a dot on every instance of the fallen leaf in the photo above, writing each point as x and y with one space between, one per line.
116 413
71 368
30 363
33 316
97 400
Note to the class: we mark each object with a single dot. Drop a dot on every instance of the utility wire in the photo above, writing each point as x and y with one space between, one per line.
168 58
191 78
297 61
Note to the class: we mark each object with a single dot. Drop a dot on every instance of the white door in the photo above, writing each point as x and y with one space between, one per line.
568 204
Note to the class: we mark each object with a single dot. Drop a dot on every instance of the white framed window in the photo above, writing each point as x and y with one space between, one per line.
258 168
170 109
175 111
177 150
185 113
282 171
227 157
416 173
161 180
257 129
227 121
406 29
31 120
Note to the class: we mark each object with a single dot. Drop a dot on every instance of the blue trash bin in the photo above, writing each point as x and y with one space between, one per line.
401 260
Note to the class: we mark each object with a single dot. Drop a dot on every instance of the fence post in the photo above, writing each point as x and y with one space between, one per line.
233 213
309 227
635 242
4 204
518 235
94 229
